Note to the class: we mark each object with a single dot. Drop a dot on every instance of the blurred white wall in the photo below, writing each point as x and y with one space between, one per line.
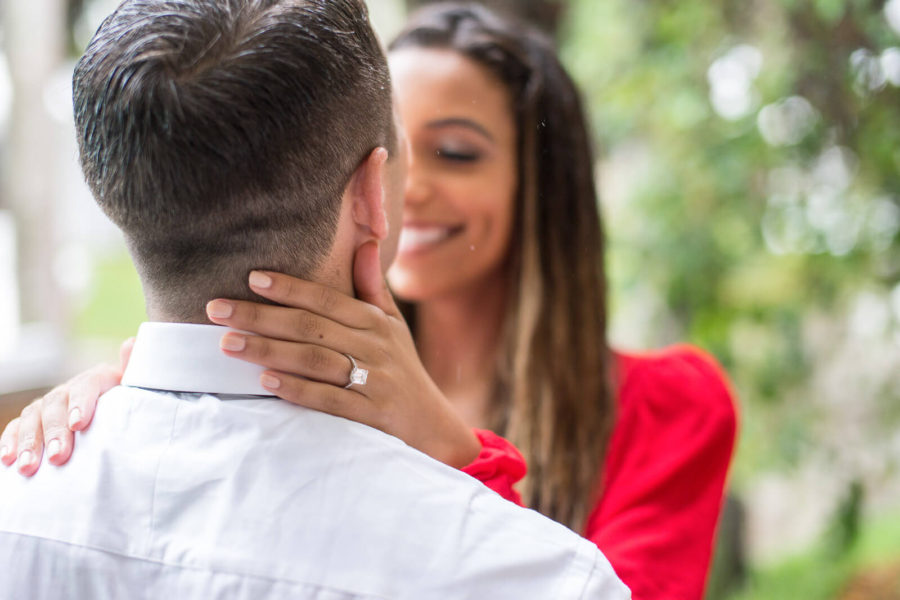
9 283
33 36
387 17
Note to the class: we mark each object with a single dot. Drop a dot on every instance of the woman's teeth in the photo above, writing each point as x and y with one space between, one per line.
417 237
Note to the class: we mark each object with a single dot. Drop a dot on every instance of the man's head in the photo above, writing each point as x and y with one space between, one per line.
225 135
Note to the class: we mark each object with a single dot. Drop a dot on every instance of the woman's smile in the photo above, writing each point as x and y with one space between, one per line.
419 237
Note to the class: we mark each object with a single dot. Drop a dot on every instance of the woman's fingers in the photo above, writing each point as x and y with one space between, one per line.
84 391
368 280
314 297
125 353
323 397
30 440
58 437
278 322
307 360
8 442
46 425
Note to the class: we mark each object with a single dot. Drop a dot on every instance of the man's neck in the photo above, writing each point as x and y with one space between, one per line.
188 306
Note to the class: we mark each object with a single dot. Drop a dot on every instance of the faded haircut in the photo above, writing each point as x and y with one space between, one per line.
219 135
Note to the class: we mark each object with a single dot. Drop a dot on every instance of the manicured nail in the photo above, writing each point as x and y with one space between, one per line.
25 459
54 448
74 417
4 452
260 280
219 309
233 342
270 382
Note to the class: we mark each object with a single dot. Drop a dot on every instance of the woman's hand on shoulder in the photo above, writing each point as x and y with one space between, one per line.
48 423
305 343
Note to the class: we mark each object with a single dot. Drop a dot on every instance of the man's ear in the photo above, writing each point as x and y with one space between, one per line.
367 189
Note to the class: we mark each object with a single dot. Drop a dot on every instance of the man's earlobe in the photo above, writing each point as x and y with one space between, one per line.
368 194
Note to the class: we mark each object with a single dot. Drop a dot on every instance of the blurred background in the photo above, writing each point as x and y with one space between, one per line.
749 167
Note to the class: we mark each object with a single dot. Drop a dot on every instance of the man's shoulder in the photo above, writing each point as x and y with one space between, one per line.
260 488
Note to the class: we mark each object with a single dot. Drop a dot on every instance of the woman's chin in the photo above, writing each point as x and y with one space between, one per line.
409 286
423 284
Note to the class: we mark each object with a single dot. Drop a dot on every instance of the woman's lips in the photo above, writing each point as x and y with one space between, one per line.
419 237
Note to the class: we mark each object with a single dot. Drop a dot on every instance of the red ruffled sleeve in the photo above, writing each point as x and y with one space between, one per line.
665 473
499 465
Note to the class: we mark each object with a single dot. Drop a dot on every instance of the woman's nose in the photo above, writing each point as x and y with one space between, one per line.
417 186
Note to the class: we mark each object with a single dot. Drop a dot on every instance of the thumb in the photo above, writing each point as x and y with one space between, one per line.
125 353
369 280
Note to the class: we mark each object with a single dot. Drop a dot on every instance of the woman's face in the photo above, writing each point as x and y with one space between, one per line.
461 183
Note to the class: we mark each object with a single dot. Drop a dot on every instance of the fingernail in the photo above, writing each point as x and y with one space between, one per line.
233 342
74 417
219 309
25 459
4 451
260 280
54 448
270 382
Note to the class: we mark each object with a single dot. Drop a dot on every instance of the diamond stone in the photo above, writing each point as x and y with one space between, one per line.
358 376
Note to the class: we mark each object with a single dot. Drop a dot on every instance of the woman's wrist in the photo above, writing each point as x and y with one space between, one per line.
450 440
465 451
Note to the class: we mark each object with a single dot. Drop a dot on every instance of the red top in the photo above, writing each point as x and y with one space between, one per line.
664 473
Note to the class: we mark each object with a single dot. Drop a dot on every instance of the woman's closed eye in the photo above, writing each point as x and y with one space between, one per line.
457 154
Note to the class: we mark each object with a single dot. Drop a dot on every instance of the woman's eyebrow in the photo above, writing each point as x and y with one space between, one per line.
460 122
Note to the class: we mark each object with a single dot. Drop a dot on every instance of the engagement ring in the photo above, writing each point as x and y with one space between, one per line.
357 376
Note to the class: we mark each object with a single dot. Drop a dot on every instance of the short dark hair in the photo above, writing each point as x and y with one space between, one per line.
220 134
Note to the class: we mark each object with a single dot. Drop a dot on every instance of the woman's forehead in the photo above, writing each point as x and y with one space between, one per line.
433 84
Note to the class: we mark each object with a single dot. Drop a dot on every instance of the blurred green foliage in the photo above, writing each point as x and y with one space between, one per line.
750 173
760 145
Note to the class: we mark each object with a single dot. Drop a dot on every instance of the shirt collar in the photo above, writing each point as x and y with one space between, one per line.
183 357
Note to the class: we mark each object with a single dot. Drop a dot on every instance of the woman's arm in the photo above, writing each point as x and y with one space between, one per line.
499 465
404 401
308 337
665 474
305 341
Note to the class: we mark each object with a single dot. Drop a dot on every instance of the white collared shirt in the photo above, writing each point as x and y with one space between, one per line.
190 493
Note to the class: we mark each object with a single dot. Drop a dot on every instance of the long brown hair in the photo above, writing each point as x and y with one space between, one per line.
551 397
